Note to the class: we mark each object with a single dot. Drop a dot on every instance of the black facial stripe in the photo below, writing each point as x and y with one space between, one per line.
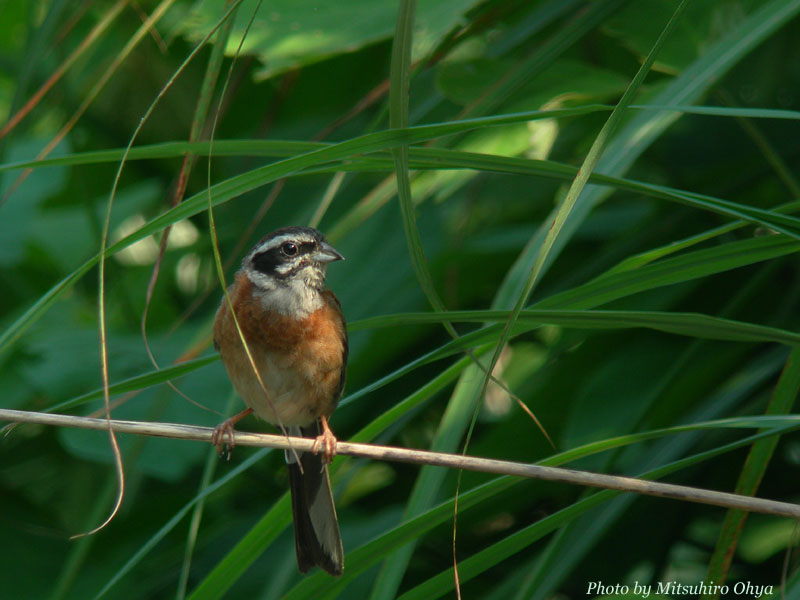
274 260
267 262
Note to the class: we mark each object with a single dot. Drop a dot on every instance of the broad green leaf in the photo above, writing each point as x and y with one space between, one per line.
291 33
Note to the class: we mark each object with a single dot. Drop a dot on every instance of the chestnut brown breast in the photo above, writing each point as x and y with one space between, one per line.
300 361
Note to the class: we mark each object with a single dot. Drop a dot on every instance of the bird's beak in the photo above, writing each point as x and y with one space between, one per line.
327 253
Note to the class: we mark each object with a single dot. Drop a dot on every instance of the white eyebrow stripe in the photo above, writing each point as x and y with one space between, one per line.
277 241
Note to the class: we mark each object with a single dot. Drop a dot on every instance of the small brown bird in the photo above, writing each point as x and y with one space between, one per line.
295 332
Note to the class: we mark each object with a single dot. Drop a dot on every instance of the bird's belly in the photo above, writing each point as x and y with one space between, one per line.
291 398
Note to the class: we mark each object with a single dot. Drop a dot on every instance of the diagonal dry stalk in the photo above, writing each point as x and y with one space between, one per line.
423 457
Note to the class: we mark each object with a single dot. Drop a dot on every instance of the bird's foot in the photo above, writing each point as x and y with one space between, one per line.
223 436
326 441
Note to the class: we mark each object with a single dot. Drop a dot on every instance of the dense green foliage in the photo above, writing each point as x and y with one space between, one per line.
668 298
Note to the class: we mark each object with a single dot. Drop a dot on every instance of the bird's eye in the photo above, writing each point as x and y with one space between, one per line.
289 249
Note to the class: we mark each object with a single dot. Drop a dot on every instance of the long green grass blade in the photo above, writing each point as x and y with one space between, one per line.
697 264
177 518
434 158
238 185
138 383
318 584
493 555
689 324
247 550
580 181
755 465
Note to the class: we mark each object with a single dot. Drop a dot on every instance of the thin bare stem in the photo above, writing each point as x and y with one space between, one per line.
218 259
157 13
423 457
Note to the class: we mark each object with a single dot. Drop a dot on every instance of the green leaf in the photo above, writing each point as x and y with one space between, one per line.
689 324
292 33
755 466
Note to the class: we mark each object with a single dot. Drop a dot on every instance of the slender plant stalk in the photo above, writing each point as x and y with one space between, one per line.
420 457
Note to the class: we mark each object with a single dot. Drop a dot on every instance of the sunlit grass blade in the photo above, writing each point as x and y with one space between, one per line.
372 142
433 158
723 111
553 226
267 148
283 148
464 400
240 184
398 117
644 128
685 267
564 211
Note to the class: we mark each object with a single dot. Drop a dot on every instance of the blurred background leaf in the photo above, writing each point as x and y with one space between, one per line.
650 256
289 34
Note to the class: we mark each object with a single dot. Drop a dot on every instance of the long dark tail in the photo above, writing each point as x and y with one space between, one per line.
316 529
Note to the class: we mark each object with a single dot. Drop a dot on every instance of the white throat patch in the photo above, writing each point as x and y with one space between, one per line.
298 296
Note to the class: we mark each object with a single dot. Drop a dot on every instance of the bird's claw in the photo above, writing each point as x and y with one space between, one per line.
326 441
218 438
